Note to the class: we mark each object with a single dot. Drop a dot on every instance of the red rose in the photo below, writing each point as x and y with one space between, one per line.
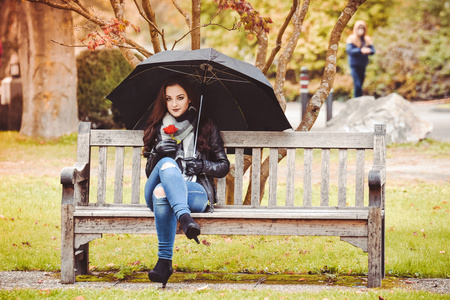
171 129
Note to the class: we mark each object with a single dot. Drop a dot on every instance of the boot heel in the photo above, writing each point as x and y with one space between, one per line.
161 272
190 227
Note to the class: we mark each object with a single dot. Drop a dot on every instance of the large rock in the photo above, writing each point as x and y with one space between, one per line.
402 124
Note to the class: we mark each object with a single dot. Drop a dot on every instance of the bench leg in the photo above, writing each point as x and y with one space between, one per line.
375 247
82 260
67 244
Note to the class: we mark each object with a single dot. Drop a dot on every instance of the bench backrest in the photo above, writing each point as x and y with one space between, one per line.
275 144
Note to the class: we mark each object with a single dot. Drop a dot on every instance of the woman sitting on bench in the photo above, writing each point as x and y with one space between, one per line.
179 178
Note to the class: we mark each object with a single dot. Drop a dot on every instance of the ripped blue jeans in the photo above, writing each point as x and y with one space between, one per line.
169 196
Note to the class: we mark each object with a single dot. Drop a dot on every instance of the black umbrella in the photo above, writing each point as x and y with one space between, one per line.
237 95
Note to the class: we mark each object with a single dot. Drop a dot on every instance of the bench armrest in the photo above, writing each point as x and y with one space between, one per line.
76 174
377 179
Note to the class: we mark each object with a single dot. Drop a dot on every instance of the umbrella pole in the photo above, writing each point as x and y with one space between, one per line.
206 68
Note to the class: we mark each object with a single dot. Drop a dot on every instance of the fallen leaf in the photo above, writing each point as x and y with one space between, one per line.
206 243
408 282
92 268
79 298
415 233
2 217
135 263
203 288
110 265
302 279
442 252
349 272
380 298
228 240
53 237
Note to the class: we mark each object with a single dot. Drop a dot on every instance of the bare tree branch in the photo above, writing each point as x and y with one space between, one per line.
150 13
185 14
144 16
204 25
280 36
286 56
261 49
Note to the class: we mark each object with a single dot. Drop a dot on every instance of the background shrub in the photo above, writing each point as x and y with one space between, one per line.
99 72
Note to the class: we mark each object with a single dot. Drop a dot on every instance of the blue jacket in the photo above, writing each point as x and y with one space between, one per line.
355 57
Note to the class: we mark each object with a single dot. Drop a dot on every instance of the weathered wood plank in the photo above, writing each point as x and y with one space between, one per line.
250 214
360 241
136 175
307 177
125 138
67 237
239 173
325 178
273 176
359 180
221 190
290 180
83 156
374 248
236 227
101 186
256 176
267 139
342 178
118 180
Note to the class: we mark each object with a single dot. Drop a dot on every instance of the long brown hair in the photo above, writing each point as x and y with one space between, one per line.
160 110
355 39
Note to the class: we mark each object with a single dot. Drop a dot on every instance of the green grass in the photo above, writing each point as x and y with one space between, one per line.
417 229
150 293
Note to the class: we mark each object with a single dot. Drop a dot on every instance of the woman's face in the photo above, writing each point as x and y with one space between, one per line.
361 31
177 100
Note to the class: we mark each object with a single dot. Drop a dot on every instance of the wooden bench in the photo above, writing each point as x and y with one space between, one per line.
298 213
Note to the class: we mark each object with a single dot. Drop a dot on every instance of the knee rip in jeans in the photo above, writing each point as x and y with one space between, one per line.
167 165
159 192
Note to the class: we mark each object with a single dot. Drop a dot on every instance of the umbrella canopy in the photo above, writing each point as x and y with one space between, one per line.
237 95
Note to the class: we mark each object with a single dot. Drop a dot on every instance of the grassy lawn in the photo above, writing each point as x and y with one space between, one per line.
394 294
417 233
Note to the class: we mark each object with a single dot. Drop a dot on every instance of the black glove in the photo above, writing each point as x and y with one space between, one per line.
166 148
193 166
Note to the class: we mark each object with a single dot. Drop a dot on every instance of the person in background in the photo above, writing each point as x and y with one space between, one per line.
359 46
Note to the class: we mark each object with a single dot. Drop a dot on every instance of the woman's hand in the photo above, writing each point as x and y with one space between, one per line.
366 50
193 166
166 148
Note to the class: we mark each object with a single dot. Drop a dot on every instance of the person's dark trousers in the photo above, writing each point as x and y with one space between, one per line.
358 74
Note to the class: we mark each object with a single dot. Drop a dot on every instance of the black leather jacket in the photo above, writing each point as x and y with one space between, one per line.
215 163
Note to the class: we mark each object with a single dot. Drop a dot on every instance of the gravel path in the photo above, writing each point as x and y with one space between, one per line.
45 280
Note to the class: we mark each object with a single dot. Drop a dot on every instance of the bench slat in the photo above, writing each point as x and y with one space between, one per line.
118 180
239 173
221 190
342 178
359 181
307 177
236 226
290 180
256 176
273 180
265 139
126 138
136 175
101 186
325 176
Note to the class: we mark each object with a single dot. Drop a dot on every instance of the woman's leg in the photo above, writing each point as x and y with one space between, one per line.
173 186
197 197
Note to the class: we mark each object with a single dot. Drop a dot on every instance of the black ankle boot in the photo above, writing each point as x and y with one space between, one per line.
190 227
161 272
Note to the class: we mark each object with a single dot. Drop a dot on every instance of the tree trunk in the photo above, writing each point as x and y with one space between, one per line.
48 71
195 34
